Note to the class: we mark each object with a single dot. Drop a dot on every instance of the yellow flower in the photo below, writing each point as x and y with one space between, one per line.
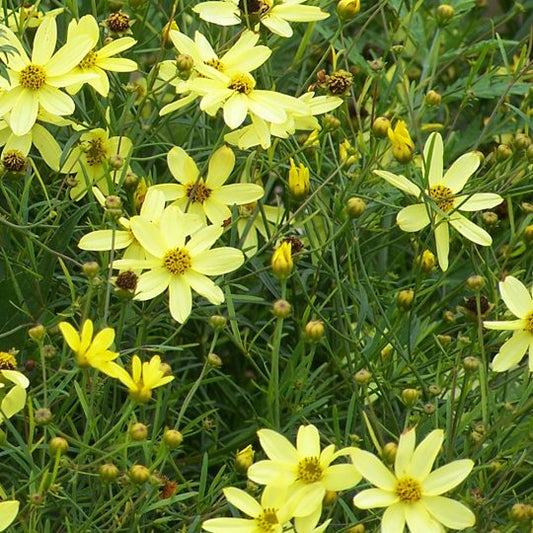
275 17
281 261
412 494
35 82
8 512
305 471
144 377
89 351
15 399
178 264
440 202
402 144
92 161
210 197
298 180
98 61
519 301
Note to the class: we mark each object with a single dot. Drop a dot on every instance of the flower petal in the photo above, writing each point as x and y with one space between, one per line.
399 181
70 335
372 469
470 230
448 512
393 520
458 174
152 284
218 261
341 477
507 325
404 453
8 512
105 239
13 402
308 441
182 166
235 110
204 287
477 201
149 235
413 218
24 112
425 454
230 525
220 166
516 296
272 473
243 501
446 477
512 351
277 447
370 498
180 299
433 157
419 520
442 242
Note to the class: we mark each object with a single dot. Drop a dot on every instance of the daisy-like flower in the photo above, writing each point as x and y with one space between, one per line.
211 197
98 61
92 161
519 301
273 14
305 471
35 82
144 377
441 201
91 351
253 220
8 512
413 494
178 264
15 399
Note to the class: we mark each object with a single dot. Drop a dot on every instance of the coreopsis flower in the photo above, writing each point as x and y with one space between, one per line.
441 202
8 512
101 60
91 351
402 144
144 377
92 161
298 180
519 301
14 400
412 493
273 14
210 198
253 220
179 264
281 261
305 471
35 83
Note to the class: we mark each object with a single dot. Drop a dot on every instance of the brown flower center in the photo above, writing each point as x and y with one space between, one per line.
89 60
247 210
7 361
529 322
309 470
254 7
242 83
118 22
32 77
408 490
177 261
14 161
95 152
215 63
443 197
198 192
267 520
127 280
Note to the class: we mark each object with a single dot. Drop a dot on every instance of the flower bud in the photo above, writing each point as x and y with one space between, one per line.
381 126
116 161
138 432
37 333
490 218
331 122
404 299
330 498
403 146
528 234
434 390
244 459
281 309
503 152
470 363
213 360
410 397
139 474
428 408
445 13
298 181
426 261
521 512
363 377
522 141
475 282
172 438
433 98
109 472
58 446
184 62
358 528
347 9
529 153
355 207
43 416
49 351
386 352
282 263
388 452
165 32
217 322
314 330
90 269
445 340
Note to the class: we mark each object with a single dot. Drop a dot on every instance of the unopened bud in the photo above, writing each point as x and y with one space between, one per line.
358 528
426 261
346 9
109 472
331 122
184 62
521 512
388 452
355 207
139 474
213 360
330 497
475 282
528 234
58 445
410 396
314 330
386 352
363 377
470 363
298 180
445 340
172 438
490 218
503 152
381 126
244 459
428 408
433 98
405 298
217 322
37 333
90 269
281 261
43 416
522 141
445 13
281 309
529 153
138 432
116 161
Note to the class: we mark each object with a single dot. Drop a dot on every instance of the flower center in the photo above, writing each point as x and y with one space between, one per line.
127 280
118 22
198 192
267 520
89 60
443 197
7 361
309 470
215 63
242 83
247 210
529 322
95 152
32 77
14 161
177 261
254 7
408 490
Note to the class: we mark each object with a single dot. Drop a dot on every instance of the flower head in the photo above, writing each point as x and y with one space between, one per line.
91 351
298 180
520 302
144 377
412 493
402 144
440 201
14 399
282 263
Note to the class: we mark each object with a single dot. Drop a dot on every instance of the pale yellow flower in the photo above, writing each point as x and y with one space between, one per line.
281 260
14 400
413 494
8 512
402 144
520 302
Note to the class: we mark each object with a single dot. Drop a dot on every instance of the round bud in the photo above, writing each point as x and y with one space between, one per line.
355 207
470 363
529 153
445 13
109 472
346 9
426 261
434 390
138 431
475 282
448 316
58 446
331 122
433 98
172 438
49 351
36 498
503 152
244 459
131 180
213 360
113 203
445 340
358 528
116 161
184 62
37 333
410 396
521 512
330 497
429 408
217 322
522 141
314 330
363 377
43 416
528 234
90 269
386 352
281 309
381 126
388 452
30 365
404 299
490 218
139 474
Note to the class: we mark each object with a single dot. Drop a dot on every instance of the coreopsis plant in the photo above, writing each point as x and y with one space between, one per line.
91 351
98 61
210 198
402 144
34 83
273 14
178 262
254 220
305 471
520 302
441 202
412 494
14 400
